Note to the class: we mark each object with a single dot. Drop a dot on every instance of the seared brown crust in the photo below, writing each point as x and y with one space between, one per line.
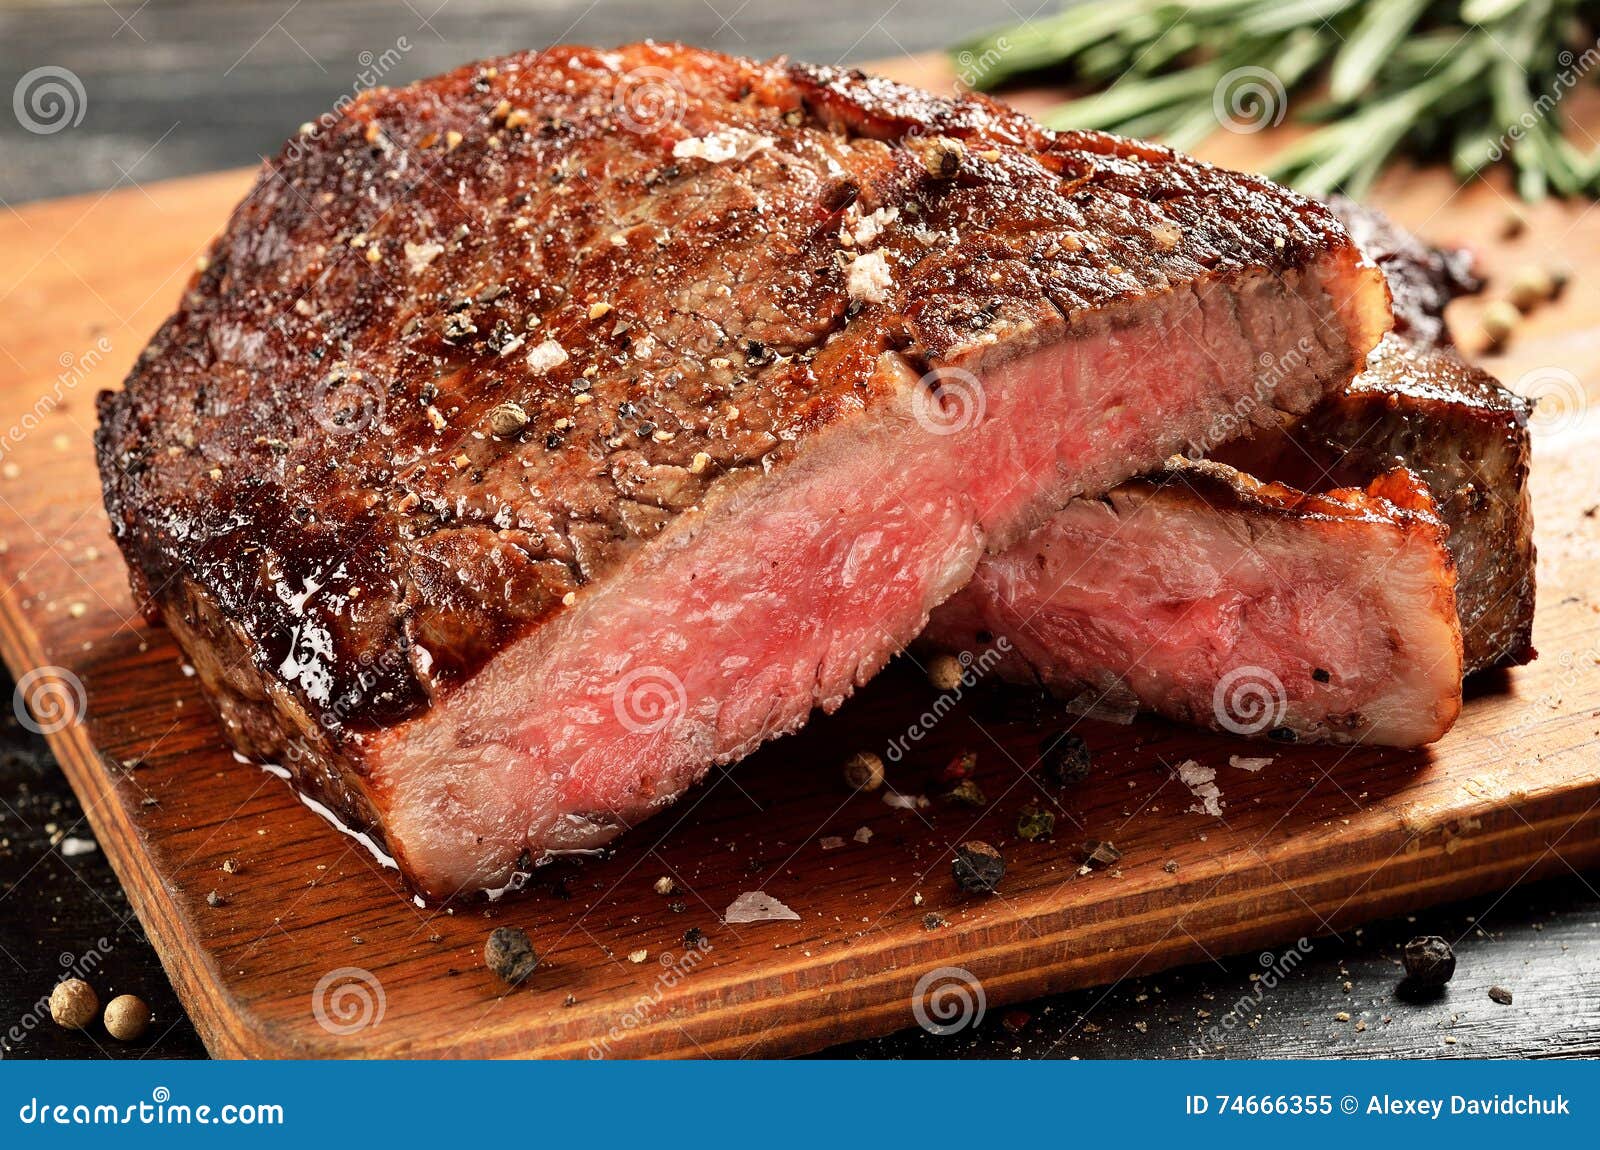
309 456
1395 496
1467 437
1419 405
1423 279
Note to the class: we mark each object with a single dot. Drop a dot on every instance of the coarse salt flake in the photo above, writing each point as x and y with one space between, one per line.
758 906
720 147
870 278
419 256
1201 782
547 355
1248 763
871 227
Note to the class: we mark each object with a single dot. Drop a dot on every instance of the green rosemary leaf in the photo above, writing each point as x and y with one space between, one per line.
1381 27
1475 82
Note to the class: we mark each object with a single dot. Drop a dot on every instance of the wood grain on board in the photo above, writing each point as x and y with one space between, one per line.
284 938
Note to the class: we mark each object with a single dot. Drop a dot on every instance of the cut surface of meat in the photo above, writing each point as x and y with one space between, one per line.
540 435
1422 278
1211 598
1466 437
1418 405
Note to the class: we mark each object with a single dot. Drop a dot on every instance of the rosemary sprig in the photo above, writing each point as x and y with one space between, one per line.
1472 82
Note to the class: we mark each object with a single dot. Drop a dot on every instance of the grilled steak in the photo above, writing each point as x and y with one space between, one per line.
1211 598
539 435
1417 406
1420 406
1423 279
1466 437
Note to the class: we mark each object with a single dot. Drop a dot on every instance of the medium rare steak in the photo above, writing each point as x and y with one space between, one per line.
542 434
1466 437
1211 598
1423 279
1418 405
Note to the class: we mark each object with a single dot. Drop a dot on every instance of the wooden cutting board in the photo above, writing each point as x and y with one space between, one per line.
284 937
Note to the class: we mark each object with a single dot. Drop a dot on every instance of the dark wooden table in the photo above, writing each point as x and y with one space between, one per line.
180 86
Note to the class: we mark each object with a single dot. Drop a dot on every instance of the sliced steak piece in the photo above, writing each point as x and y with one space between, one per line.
1418 405
542 434
1211 598
1466 437
1423 279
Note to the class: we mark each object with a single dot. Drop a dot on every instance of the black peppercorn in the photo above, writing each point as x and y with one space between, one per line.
1065 758
1429 961
509 953
978 867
